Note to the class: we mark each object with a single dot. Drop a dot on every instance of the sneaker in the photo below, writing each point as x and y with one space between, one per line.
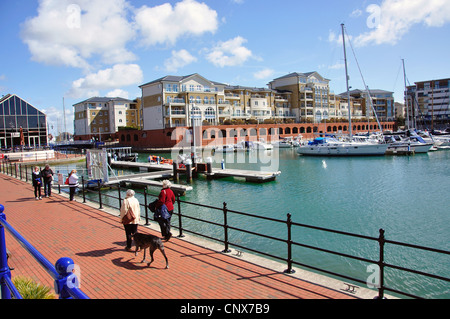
37 198
40 197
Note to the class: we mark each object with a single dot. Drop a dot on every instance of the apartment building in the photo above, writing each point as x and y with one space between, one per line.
382 104
99 117
174 101
428 103
310 96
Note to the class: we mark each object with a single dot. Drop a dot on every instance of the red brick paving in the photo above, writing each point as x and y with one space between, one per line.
95 241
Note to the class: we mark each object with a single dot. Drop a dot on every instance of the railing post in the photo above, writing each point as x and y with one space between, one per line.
4 269
67 281
180 224
225 228
289 270
99 195
381 241
119 195
146 206
84 191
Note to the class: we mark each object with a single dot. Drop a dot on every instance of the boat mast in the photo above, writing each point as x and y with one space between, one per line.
406 95
348 89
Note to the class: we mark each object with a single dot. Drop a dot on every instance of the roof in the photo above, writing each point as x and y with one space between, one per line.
176 78
360 92
306 75
104 99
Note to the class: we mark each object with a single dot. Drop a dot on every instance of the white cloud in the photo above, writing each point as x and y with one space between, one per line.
337 66
120 75
178 60
264 74
394 18
118 93
165 24
229 53
70 32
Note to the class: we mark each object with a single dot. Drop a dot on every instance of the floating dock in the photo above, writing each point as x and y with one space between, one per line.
250 176
215 173
141 166
148 179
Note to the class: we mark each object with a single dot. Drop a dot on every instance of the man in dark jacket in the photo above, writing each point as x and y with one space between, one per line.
47 176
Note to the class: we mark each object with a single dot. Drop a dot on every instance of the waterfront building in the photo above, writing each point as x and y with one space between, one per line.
21 124
100 117
382 103
428 104
173 101
310 96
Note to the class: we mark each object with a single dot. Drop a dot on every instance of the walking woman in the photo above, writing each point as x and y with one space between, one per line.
130 203
73 183
37 182
166 198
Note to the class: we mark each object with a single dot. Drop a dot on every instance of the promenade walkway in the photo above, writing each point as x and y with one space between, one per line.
95 240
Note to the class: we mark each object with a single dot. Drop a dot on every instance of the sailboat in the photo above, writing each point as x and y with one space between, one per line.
330 146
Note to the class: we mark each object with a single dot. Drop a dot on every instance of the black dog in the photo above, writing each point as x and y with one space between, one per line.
144 241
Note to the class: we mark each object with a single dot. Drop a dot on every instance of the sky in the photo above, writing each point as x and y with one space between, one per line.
56 53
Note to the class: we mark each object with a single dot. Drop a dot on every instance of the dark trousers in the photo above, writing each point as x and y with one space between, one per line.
37 191
72 192
47 188
129 230
164 224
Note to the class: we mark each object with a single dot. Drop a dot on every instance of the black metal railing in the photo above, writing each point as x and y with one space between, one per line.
220 220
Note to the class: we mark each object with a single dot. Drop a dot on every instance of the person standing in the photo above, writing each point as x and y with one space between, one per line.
73 183
166 198
130 203
47 175
37 182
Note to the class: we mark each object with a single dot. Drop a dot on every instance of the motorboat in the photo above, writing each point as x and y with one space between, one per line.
122 154
228 148
412 143
282 144
330 146
261 145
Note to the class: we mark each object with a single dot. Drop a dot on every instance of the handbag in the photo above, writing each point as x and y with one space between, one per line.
67 181
129 217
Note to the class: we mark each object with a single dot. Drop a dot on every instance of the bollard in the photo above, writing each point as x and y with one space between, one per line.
209 165
175 171
188 164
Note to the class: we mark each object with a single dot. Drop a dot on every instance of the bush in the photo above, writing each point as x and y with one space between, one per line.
30 289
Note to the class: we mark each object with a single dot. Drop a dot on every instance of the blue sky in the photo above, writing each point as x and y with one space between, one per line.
76 49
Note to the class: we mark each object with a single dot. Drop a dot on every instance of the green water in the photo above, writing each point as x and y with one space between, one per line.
407 196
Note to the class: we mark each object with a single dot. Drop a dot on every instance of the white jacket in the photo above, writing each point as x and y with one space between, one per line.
73 180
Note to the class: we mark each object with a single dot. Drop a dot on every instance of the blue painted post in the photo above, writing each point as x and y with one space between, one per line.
67 284
4 268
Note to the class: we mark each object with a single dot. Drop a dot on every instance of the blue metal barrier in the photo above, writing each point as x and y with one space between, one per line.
66 282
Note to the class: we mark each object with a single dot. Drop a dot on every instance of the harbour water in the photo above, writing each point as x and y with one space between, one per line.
407 196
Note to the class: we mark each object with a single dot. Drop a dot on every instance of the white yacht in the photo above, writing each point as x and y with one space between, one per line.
330 146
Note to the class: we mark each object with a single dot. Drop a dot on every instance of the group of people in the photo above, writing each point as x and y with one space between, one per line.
163 206
45 178
42 178
163 212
